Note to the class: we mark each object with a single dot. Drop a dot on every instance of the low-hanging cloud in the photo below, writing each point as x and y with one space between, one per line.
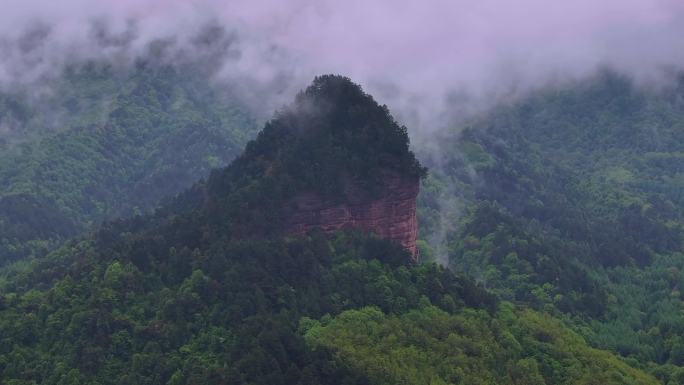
408 53
431 61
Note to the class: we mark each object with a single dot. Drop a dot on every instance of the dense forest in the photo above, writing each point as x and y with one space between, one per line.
201 292
572 204
106 142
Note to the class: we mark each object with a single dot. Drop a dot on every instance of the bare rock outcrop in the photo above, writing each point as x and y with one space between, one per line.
389 213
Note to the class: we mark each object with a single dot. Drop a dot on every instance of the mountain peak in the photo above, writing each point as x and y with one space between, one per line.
334 150
334 96
333 129
335 87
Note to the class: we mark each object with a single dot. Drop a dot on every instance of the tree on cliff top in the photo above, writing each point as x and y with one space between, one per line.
332 133
334 127
332 130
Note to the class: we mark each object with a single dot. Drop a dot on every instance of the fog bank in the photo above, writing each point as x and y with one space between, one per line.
415 56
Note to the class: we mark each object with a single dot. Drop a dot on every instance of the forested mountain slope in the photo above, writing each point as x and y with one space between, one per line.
105 141
572 202
206 291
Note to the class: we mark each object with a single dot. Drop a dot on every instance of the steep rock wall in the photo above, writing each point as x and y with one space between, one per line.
390 213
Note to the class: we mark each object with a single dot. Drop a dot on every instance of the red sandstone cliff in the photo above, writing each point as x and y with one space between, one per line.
390 214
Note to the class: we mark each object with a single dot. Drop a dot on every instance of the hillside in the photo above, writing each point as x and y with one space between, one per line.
572 204
208 289
105 142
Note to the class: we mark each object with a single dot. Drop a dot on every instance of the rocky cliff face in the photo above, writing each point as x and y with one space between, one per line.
389 213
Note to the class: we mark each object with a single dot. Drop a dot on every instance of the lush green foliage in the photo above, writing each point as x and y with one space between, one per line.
180 297
430 346
573 205
334 130
242 312
224 313
108 142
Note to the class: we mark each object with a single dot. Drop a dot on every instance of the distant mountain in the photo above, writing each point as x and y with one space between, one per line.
107 142
573 202
212 289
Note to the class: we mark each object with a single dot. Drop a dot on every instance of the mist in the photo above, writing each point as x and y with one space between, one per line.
417 57
432 62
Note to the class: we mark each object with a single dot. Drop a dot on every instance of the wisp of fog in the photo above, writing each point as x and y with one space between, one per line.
430 61
413 55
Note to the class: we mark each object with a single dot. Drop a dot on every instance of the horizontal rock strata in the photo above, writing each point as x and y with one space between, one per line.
390 213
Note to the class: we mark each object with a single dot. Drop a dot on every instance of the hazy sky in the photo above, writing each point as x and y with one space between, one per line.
421 50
